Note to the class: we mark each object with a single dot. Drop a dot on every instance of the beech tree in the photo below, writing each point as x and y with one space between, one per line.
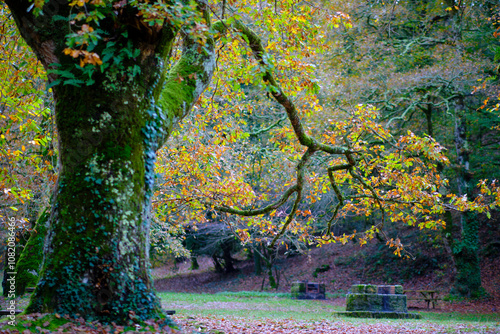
114 106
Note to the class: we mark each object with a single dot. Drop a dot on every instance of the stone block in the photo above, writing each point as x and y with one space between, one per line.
390 289
375 302
298 290
357 302
370 288
307 290
298 287
358 288
372 301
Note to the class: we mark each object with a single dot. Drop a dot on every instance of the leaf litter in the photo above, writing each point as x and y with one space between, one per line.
213 324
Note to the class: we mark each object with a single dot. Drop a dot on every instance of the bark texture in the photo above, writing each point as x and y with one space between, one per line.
28 266
466 251
96 252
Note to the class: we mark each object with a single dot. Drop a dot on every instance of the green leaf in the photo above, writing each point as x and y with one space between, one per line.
73 82
53 83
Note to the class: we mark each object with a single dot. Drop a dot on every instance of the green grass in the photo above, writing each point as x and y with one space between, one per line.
460 317
254 294
247 304
48 322
279 306
265 294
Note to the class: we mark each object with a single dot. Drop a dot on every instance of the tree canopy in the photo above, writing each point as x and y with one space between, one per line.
271 115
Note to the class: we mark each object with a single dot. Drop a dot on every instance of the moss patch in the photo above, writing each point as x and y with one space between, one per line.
29 263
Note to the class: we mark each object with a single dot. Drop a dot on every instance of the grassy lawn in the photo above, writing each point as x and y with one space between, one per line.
258 312
247 304
262 307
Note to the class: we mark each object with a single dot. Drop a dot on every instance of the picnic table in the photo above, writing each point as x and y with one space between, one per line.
429 296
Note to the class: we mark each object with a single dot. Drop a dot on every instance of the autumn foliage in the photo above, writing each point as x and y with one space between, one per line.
27 153
291 136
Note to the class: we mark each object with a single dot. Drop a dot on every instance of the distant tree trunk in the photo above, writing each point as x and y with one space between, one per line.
428 117
194 262
228 260
466 251
218 266
269 259
257 260
448 238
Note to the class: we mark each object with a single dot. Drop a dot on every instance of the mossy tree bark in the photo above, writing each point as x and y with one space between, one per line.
466 251
96 248
28 266
96 261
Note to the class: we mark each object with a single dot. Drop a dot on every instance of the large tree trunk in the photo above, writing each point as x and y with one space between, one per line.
96 261
96 254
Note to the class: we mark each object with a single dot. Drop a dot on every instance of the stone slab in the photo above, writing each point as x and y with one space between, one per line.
376 302
390 289
363 288
369 314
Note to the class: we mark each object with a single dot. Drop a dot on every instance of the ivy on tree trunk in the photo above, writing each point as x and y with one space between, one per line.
466 251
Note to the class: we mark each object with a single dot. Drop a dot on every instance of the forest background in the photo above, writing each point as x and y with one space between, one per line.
410 87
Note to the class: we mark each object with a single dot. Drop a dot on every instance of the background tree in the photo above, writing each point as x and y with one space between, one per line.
27 154
419 62
26 130
203 183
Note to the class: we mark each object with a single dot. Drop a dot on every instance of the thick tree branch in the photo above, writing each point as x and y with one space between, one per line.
300 185
337 191
255 212
189 77
255 44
